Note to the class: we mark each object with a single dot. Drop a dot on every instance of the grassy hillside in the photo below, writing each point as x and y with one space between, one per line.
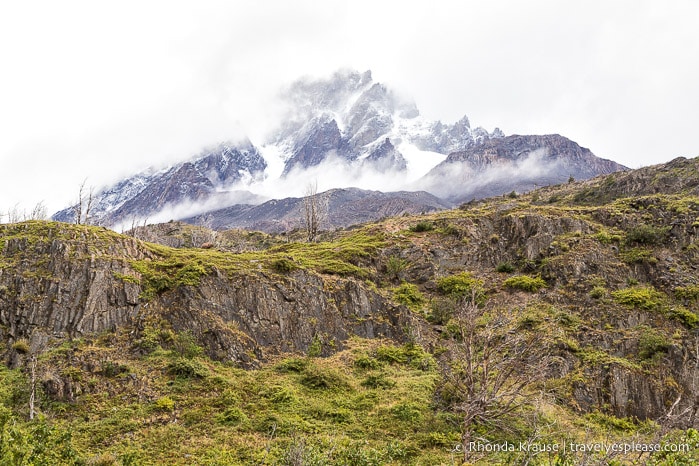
562 317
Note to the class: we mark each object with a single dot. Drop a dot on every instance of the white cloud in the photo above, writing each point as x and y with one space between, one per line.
103 90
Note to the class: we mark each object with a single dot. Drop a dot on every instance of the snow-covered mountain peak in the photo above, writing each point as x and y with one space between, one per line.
346 131
350 115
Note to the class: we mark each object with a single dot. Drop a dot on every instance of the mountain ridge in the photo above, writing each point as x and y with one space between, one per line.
347 131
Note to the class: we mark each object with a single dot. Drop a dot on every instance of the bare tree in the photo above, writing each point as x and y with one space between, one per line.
38 212
313 211
32 390
489 368
14 215
81 212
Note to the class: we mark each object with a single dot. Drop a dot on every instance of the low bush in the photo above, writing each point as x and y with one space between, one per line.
652 342
319 378
525 283
187 369
683 315
296 365
410 296
646 234
461 285
395 266
441 311
646 298
422 227
21 346
505 267
283 265
688 293
598 292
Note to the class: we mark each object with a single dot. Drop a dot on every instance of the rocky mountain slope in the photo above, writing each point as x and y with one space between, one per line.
597 279
204 178
345 131
338 208
516 163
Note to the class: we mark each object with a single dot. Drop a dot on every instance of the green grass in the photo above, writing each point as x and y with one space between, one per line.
171 268
208 409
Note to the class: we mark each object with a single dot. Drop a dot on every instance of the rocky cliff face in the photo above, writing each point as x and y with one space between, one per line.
59 281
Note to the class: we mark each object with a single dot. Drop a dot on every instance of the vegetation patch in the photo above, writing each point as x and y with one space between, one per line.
395 267
687 293
187 369
343 256
505 267
408 295
283 265
651 342
461 285
639 256
646 234
525 283
322 378
420 227
598 292
646 298
683 315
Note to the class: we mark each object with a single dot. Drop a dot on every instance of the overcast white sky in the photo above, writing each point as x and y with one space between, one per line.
100 90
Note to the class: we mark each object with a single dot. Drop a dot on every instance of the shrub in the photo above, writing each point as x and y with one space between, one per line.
652 342
409 353
113 369
451 230
639 256
283 265
525 283
646 234
645 298
365 361
395 266
409 295
683 315
420 227
186 345
21 346
598 292
231 417
687 293
407 412
505 267
605 237
187 369
315 349
460 285
442 310
378 381
296 365
164 403
323 379
612 422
